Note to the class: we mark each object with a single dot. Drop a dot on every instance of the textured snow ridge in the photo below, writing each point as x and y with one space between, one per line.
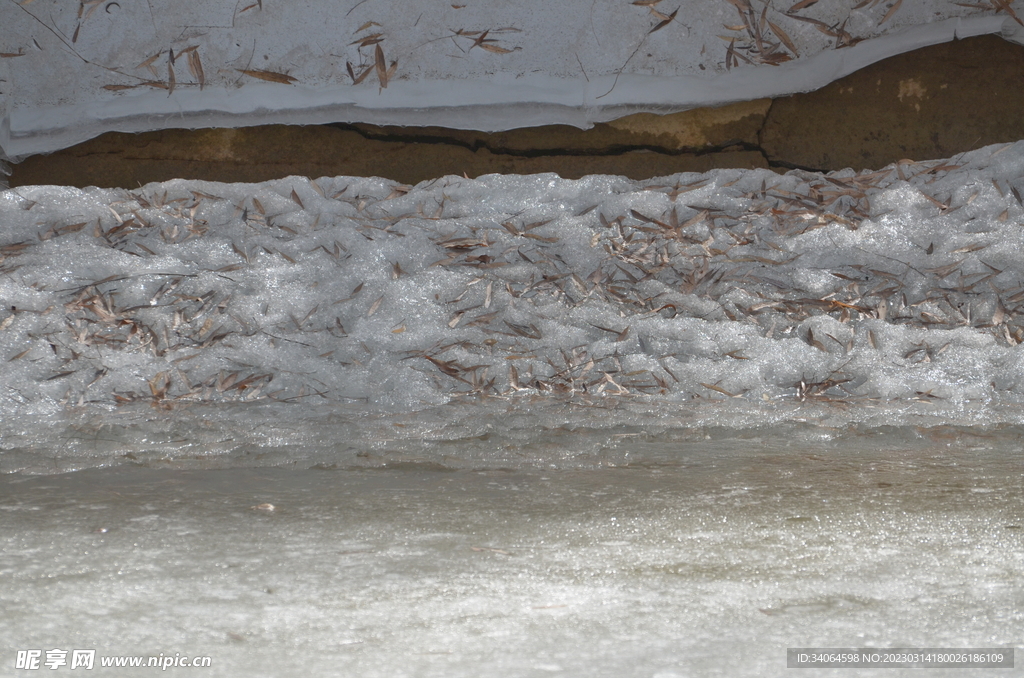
879 289
67 76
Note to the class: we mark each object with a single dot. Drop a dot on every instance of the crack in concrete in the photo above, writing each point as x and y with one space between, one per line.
609 151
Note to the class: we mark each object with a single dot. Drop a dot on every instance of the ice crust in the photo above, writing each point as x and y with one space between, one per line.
488 65
328 314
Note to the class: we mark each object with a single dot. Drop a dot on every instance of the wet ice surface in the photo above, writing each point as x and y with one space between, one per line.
700 558
340 312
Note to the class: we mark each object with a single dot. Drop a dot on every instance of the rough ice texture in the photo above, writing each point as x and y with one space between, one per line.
489 65
733 298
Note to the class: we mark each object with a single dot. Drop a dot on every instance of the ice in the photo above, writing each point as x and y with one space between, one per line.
511 426
487 65
703 558
420 314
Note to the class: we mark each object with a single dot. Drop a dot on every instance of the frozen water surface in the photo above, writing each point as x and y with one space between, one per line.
515 425
703 559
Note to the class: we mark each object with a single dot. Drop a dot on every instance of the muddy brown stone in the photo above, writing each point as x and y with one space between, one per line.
932 103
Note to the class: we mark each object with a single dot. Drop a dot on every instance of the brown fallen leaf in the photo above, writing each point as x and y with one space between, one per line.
494 48
381 65
356 79
664 22
269 76
718 389
369 40
784 37
892 10
1004 6
196 67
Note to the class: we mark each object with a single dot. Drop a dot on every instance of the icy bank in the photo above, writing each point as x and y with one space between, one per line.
132 67
460 308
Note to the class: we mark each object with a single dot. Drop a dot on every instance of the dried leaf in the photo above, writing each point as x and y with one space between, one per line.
356 79
196 67
813 341
369 40
269 76
820 25
664 22
892 10
784 37
20 355
494 48
480 40
1003 5
381 66
718 389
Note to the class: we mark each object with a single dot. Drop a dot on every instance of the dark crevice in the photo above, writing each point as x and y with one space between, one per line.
477 145
760 133
482 144
785 165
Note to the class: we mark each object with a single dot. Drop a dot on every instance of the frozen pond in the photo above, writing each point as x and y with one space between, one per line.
686 557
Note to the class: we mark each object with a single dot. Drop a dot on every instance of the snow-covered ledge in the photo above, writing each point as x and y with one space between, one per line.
71 72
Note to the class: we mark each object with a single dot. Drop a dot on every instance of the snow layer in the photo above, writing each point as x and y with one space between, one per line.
357 309
71 71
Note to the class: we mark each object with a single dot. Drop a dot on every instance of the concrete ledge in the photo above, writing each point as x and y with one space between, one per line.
931 103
